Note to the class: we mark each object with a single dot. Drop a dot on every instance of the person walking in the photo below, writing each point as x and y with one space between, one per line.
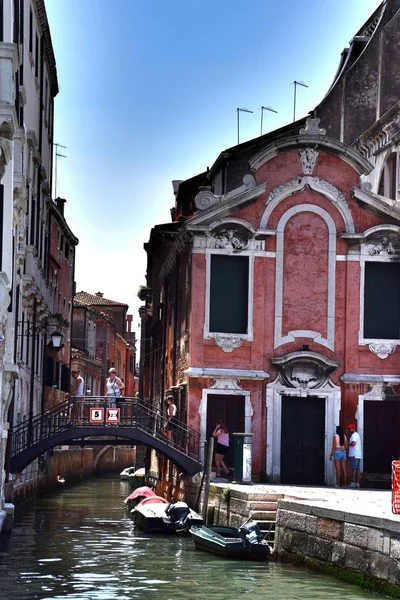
170 423
339 455
221 434
114 386
76 392
355 455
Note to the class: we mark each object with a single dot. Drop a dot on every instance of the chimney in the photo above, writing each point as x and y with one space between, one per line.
175 185
60 204
99 294
129 323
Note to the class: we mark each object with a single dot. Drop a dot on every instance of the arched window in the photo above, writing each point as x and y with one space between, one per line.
389 181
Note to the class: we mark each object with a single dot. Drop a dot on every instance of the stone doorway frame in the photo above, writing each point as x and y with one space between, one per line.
330 393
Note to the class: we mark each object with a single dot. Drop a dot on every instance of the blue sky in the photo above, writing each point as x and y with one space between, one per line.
148 93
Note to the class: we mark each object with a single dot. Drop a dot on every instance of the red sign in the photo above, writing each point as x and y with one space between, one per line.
396 487
112 415
96 415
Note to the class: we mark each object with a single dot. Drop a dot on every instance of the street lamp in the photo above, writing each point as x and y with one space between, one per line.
31 330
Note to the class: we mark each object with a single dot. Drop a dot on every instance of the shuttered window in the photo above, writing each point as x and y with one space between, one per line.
382 301
229 290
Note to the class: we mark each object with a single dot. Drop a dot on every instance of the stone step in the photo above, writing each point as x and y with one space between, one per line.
263 515
264 505
265 525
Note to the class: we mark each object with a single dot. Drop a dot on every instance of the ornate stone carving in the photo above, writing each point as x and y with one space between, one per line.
312 128
227 343
286 188
383 244
304 370
205 198
4 294
226 383
382 349
330 189
308 158
230 239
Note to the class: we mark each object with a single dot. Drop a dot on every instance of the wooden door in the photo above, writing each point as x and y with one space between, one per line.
230 409
381 435
303 441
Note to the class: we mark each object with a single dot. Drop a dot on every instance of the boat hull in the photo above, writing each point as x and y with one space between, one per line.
228 542
153 519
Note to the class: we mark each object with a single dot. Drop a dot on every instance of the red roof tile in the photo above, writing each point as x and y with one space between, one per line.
96 300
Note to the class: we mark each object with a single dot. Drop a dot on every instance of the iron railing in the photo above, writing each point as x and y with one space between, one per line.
95 413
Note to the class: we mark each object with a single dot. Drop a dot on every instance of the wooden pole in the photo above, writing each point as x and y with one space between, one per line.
210 453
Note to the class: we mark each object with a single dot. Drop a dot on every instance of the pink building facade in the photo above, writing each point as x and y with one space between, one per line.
277 305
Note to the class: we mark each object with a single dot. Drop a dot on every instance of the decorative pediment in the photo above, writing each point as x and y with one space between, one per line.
205 199
384 243
304 370
230 237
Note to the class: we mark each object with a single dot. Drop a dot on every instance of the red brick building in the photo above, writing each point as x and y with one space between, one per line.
101 339
276 290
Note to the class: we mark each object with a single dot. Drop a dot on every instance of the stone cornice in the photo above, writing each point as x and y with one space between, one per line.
320 142
48 46
222 206
379 203
224 373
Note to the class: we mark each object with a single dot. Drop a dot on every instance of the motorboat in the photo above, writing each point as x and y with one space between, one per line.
138 495
156 515
124 475
246 542
136 478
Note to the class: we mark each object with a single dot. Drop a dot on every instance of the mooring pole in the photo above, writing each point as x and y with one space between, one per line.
210 453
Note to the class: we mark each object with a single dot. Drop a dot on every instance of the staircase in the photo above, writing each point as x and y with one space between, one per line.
263 512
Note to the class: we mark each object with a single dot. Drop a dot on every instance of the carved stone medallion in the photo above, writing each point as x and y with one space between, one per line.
308 158
304 370
382 349
312 128
230 239
383 244
227 343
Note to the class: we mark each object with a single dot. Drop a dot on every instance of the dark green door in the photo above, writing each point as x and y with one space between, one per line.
230 409
303 441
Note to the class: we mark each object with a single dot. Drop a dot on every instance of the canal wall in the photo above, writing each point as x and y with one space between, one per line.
361 548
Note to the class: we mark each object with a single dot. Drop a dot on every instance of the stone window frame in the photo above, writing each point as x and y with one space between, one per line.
381 346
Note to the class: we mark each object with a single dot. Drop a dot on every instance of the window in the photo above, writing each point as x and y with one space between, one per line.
382 301
388 184
229 290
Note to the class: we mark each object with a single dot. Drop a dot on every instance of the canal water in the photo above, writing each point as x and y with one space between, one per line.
80 543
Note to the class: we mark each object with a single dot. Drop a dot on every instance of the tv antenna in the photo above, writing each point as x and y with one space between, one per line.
238 111
296 83
262 114
58 155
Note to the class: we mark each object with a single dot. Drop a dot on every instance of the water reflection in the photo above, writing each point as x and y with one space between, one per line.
81 543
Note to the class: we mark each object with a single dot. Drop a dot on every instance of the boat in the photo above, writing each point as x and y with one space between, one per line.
137 495
156 515
124 475
136 478
247 542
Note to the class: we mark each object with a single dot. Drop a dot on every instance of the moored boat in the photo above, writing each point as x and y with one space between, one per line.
136 478
124 475
244 543
138 495
157 515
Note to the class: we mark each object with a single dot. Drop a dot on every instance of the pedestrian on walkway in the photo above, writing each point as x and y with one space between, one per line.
339 455
221 434
170 423
76 392
114 386
355 455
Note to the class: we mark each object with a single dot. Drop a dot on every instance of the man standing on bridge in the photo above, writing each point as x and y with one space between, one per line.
76 392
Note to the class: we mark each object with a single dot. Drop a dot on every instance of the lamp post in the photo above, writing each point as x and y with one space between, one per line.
31 330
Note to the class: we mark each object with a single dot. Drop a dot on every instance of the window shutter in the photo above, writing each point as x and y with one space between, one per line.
229 291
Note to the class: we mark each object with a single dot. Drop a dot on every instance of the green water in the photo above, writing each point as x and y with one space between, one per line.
80 543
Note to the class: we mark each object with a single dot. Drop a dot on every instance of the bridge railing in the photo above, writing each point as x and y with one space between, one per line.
104 412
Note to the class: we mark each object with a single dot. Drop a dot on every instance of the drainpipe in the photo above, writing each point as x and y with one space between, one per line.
176 313
33 360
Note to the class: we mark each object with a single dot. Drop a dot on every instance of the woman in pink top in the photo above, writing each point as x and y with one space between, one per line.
222 436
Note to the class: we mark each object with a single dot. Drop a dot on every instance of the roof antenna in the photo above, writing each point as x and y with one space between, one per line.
55 166
296 83
262 113
239 110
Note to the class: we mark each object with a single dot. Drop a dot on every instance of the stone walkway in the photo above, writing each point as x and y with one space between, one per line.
364 502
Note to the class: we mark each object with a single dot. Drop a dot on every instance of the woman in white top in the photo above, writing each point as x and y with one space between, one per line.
222 436
114 386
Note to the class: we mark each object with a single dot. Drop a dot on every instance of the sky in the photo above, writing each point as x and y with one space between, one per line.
148 93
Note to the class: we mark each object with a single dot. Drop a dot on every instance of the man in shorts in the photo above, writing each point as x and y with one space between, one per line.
355 455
